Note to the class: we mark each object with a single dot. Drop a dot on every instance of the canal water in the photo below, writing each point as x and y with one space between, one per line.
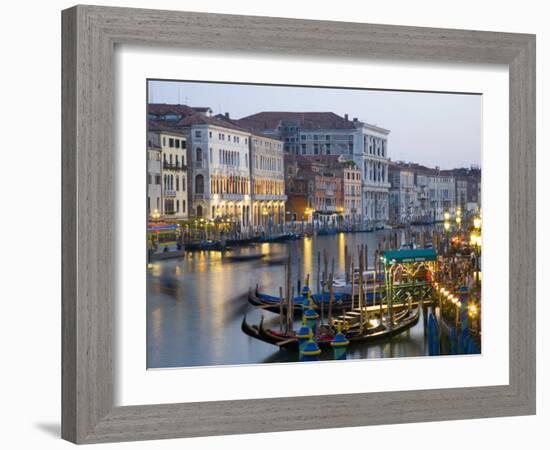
196 304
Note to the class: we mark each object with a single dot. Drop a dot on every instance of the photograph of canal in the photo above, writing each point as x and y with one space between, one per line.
288 224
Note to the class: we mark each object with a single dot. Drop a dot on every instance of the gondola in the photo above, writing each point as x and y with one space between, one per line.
380 330
342 301
244 258
206 246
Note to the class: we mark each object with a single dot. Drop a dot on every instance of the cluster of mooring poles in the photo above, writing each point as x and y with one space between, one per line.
413 273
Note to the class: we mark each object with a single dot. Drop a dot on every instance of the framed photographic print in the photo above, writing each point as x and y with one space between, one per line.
266 230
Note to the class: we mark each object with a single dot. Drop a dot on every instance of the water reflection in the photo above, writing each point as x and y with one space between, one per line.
195 304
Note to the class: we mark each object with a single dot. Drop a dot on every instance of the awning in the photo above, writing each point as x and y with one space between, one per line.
409 256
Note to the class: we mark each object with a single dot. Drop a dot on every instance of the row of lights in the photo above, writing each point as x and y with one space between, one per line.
447 217
472 308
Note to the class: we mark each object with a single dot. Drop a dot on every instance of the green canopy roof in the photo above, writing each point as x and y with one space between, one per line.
409 256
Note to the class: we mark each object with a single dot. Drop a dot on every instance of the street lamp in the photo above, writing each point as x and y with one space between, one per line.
155 215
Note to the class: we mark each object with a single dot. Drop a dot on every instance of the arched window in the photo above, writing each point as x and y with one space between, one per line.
199 154
199 184
199 211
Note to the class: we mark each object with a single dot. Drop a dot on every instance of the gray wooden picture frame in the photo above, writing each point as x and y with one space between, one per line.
90 34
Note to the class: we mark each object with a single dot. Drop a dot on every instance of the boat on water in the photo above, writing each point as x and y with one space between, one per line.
373 330
243 258
279 238
206 246
341 301
326 231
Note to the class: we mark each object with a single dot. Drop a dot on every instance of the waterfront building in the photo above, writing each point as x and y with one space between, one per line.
268 184
172 114
352 190
439 187
173 163
154 183
219 170
326 133
405 204
470 187
372 156
461 192
315 189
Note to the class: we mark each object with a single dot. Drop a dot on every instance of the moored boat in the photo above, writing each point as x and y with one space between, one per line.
375 330
341 301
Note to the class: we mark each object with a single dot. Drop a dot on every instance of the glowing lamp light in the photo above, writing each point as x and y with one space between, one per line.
447 225
446 215
477 223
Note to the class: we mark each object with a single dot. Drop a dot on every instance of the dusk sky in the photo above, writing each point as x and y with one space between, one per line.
428 128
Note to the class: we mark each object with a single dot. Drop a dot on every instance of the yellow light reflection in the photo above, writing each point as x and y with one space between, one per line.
308 256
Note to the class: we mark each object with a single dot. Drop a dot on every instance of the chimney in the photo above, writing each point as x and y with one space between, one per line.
226 115
355 119
346 117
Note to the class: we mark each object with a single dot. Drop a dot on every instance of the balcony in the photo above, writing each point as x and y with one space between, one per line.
175 167
267 197
232 196
168 193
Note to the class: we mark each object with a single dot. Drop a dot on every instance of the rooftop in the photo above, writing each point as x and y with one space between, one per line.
271 120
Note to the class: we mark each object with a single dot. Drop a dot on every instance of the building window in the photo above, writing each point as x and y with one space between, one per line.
171 143
198 134
163 141
157 179
177 142
315 148
199 154
199 211
177 206
199 184
209 134
177 184
183 206
183 184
